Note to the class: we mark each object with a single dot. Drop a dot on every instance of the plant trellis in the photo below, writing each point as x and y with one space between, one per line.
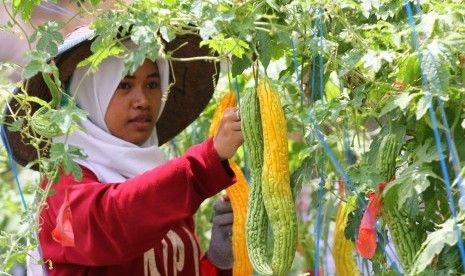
437 136
318 28
13 167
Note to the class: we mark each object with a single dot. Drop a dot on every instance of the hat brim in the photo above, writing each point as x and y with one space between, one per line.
189 95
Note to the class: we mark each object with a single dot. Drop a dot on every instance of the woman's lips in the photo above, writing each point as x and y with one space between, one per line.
141 122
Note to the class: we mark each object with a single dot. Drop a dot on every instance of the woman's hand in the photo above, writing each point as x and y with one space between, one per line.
229 136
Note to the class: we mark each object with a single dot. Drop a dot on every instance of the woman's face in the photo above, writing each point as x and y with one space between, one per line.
133 109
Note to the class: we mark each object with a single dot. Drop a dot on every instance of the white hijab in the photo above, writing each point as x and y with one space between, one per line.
110 158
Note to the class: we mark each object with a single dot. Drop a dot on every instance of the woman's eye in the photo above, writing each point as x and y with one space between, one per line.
124 85
153 85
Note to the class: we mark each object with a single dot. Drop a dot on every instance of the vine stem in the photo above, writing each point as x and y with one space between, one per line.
351 30
10 252
196 58
17 24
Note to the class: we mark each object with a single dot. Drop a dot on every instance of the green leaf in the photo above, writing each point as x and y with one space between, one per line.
101 54
428 23
373 60
16 125
54 90
170 3
8 66
207 29
332 88
240 64
142 35
426 153
56 151
66 118
137 58
350 60
358 96
37 62
400 101
415 179
273 5
25 7
15 258
167 34
434 244
353 218
409 71
404 99
280 44
72 167
264 43
95 3
422 107
230 45
364 176
412 205
299 176
49 37
436 70
63 157
33 99
32 68
411 182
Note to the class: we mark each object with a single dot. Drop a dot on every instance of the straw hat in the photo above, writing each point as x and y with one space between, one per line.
193 89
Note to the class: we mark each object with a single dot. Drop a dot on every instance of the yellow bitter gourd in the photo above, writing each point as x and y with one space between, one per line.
276 190
238 195
257 219
342 247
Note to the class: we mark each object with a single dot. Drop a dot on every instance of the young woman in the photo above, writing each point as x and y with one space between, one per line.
131 213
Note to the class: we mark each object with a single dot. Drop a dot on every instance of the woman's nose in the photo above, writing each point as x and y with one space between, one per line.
140 98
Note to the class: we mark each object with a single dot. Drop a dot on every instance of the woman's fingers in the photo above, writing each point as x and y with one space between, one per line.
229 136
232 113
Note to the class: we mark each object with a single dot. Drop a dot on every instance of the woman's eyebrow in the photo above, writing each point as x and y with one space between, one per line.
154 74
